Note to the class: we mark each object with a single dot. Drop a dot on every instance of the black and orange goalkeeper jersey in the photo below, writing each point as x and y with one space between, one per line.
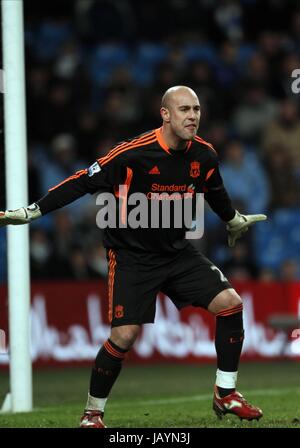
146 165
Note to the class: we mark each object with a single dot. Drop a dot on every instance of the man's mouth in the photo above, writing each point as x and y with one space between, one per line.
191 126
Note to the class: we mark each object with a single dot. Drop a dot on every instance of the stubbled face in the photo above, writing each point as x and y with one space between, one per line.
183 114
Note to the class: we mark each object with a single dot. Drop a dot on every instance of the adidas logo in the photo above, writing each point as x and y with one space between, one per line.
154 170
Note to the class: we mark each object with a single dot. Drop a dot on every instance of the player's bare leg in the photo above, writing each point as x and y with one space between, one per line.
228 309
107 367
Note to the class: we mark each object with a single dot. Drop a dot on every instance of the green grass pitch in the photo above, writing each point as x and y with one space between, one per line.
162 396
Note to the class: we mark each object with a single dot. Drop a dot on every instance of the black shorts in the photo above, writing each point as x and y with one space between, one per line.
135 279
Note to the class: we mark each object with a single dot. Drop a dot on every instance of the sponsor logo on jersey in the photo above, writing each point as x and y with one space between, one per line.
168 188
95 168
178 192
195 169
191 188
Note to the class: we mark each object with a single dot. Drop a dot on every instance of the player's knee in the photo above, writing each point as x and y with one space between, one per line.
227 299
231 299
125 335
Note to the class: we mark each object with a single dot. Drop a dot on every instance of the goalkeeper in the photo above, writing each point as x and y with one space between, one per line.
143 261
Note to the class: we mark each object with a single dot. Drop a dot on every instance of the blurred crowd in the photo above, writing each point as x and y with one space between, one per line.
96 71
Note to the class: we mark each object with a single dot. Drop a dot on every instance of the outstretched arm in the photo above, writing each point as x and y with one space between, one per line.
220 202
82 182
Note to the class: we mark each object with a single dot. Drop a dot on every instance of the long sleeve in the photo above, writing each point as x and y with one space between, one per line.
91 180
217 196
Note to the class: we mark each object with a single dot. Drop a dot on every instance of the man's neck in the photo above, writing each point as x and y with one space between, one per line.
172 141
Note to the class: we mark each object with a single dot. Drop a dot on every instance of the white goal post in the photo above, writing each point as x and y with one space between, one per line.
20 397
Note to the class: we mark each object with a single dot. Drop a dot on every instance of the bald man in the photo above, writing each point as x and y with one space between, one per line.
171 163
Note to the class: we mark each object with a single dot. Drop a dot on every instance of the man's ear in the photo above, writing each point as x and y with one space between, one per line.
165 114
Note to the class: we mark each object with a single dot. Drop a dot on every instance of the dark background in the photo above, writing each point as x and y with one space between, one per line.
95 74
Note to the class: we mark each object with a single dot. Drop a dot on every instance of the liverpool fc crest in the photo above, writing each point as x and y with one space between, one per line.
195 169
119 311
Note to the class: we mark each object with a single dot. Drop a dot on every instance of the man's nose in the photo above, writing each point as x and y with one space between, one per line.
192 116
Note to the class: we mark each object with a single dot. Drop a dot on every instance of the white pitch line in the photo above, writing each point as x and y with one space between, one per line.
186 399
